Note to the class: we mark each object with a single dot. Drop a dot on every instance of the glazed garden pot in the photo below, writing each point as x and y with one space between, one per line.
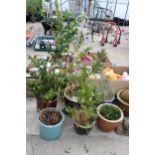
122 104
41 104
109 100
105 124
69 101
81 130
50 132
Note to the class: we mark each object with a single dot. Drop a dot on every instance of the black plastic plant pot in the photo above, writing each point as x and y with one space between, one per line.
39 17
33 19
28 17
81 130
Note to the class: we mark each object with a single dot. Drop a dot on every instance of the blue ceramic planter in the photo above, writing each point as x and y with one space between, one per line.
50 132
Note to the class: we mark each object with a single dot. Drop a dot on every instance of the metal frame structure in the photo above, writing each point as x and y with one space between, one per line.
96 3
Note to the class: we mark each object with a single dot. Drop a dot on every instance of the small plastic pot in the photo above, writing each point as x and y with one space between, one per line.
41 104
105 124
82 130
33 19
50 132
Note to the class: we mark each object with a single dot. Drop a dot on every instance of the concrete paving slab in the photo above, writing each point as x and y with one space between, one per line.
78 145
69 142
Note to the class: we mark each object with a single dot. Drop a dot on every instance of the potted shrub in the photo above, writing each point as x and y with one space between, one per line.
109 116
83 119
46 84
50 121
33 10
123 98
75 83
104 88
84 116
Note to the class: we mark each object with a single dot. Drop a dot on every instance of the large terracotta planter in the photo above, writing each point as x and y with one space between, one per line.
122 104
41 104
105 124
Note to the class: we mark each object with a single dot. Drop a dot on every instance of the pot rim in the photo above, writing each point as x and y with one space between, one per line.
68 96
51 126
109 100
112 121
118 97
81 126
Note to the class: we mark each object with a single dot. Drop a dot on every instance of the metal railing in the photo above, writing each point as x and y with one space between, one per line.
91 7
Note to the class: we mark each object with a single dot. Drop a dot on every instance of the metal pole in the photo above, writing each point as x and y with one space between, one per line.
85 6
50 9
115 8
126 13
107 4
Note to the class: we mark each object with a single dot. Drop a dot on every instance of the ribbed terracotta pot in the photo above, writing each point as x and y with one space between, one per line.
122 104
105 124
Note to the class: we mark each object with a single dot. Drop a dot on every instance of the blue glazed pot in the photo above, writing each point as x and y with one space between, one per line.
50 132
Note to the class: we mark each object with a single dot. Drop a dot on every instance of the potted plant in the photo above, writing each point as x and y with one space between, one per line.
33 10
83 119
84 116
104 88
46 84
50 121
109 116
75 83
123 98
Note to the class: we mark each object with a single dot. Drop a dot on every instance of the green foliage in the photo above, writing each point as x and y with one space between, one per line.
84 52
101 55
33 6
110 112
88 98
63 32
47 83
97 66
104 88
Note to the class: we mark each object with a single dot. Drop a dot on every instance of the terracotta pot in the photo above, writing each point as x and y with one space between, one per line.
105 124
41 104
122 104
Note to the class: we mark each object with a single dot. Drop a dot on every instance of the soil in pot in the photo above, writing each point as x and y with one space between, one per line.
50 117
124 95
42 104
